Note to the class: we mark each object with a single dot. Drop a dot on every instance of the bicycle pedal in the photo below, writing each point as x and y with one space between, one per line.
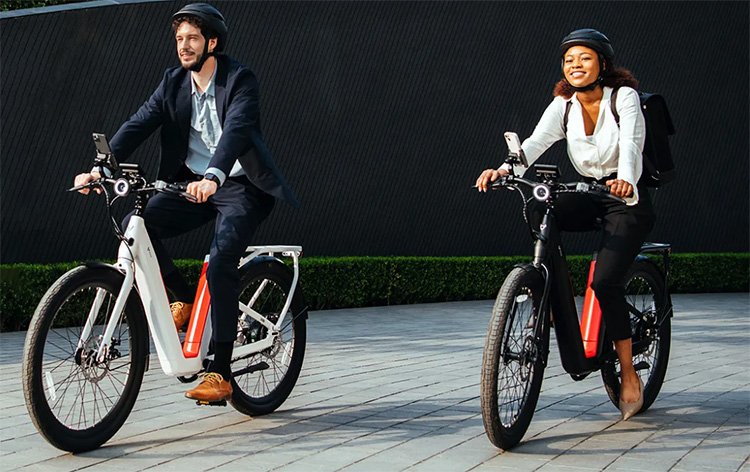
206 403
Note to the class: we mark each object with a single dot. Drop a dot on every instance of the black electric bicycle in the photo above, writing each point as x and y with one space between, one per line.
517 344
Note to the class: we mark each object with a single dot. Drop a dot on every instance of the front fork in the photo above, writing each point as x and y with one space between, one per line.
125 265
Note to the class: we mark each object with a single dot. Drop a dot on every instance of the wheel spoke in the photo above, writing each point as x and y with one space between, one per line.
517 366
646 298
82 396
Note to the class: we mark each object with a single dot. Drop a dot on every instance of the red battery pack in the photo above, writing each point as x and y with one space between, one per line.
192 345
591 319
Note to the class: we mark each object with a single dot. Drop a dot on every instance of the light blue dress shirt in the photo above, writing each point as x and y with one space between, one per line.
205 132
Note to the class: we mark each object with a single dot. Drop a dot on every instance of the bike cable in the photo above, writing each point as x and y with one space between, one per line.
115 226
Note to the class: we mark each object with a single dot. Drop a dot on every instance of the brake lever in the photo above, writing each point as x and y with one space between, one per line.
601 190
174 189
90 185
188 196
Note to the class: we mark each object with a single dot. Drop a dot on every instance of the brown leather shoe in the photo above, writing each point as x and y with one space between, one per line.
213 388
181 314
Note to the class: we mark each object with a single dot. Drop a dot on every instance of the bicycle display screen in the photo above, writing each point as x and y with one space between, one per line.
546 172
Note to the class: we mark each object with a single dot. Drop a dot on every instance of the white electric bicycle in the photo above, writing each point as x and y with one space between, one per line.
87 346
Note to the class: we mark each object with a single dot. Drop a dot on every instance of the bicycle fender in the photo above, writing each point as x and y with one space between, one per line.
527 266
260 260
643 258
271 259
101 265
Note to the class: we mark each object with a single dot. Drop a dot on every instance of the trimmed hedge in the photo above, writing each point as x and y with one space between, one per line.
342 282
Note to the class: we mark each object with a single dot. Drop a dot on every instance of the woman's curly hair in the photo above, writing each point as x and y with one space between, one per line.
614 77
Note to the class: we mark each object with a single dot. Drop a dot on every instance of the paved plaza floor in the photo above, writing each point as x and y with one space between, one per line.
397 388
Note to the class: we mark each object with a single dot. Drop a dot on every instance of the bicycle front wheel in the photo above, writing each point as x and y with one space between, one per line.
263 381
646 297
515 354
76 401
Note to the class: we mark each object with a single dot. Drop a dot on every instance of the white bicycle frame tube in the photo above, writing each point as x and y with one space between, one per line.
139 264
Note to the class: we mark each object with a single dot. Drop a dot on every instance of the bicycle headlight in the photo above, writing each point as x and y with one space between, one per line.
541 192
122 187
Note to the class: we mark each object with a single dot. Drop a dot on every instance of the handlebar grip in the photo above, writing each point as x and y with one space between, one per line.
92 184
605 191
502 181
175 189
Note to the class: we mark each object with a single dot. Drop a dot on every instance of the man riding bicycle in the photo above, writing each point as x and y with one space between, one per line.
207 109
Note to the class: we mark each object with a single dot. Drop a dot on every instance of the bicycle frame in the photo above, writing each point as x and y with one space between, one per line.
558 297
137 261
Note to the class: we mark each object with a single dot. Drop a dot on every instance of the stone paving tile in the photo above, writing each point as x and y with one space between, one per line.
510 461
372 400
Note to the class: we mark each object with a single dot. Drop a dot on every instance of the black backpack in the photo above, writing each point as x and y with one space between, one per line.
658 166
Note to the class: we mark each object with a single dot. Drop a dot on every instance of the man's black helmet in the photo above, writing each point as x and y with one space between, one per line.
212 18
591 38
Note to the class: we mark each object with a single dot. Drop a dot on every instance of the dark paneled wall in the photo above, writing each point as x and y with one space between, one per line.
381 114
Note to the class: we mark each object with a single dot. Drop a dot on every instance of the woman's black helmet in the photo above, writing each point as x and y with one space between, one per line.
212 18
591 38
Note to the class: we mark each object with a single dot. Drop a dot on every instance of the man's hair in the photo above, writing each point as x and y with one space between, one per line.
207 32
614 77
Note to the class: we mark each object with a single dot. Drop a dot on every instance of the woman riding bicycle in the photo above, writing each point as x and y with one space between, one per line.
608 152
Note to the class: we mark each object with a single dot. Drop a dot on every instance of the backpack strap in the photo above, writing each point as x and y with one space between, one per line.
565 116
613 106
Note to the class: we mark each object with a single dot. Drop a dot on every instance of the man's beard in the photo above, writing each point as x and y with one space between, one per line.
189 66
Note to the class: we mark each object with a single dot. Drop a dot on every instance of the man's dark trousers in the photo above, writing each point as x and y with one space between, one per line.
238 208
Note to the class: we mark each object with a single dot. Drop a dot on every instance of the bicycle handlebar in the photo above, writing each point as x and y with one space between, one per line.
123 187
543 190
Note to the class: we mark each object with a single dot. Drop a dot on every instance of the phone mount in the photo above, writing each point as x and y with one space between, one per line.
104 157
517 158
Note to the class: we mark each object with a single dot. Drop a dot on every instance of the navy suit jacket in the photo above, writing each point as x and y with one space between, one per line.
170 107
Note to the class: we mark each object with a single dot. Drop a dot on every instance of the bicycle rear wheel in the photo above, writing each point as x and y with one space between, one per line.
515 354
646 296
263 381
76 402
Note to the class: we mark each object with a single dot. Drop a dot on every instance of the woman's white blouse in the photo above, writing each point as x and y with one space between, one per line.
610 149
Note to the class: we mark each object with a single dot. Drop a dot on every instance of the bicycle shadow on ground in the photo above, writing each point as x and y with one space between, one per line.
371 425
559 428
675 435
664 426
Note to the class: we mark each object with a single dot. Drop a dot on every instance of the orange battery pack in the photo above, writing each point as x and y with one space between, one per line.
591 320
192 345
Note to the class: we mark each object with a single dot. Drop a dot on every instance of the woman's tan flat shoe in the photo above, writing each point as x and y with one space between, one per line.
631 409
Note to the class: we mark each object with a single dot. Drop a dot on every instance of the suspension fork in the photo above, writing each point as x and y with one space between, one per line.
89 325
540 254
125 264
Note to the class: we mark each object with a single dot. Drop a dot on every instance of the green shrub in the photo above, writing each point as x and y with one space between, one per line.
342 282
718 272
21 288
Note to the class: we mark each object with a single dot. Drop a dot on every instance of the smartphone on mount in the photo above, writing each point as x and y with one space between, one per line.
514 147
104 156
